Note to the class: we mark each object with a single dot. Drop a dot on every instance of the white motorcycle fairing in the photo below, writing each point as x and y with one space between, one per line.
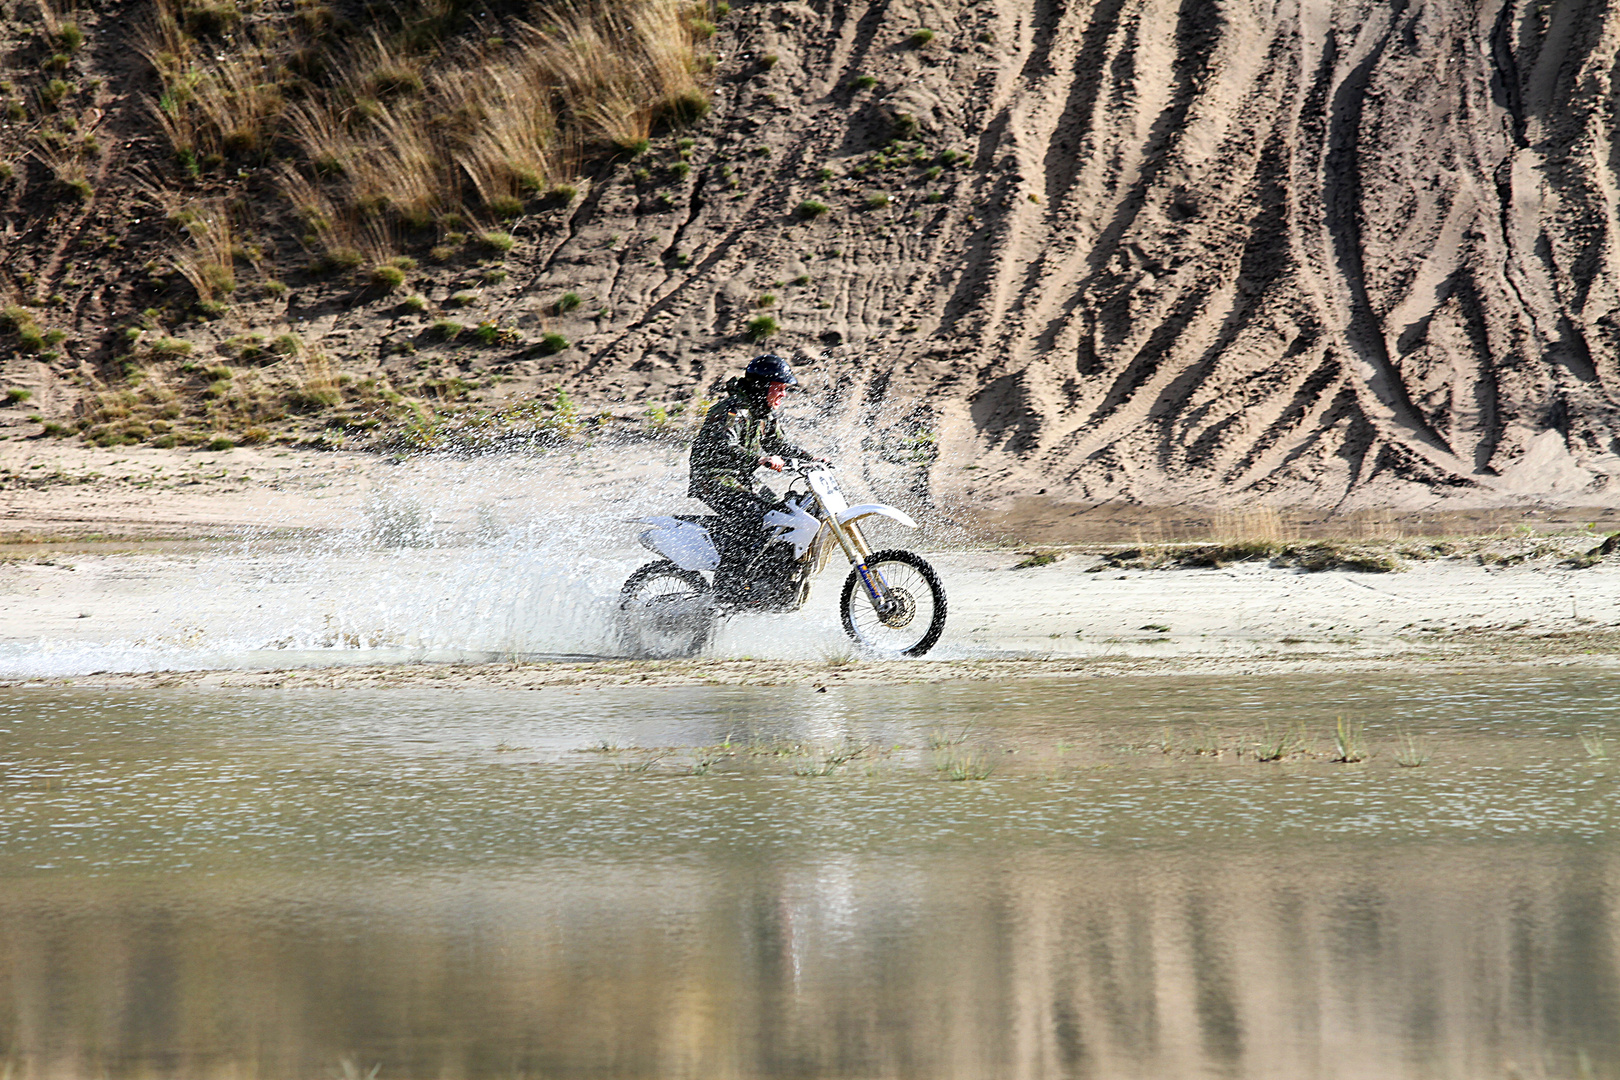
799 527
686 545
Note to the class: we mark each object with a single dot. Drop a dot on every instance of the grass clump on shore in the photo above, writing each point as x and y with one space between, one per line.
270 390
388 278
1349 743
538 422
1609 546
1313 556
28 336
1277 745
965 765
1333 555
499 242
1410 752
832 760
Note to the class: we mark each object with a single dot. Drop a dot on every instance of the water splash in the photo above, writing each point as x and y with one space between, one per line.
499 556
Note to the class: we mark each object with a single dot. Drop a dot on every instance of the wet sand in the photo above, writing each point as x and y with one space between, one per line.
1589 650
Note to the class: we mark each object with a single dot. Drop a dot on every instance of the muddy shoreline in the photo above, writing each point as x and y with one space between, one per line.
1458 653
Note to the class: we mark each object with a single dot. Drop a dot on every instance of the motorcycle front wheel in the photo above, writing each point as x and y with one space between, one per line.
665 611
915 616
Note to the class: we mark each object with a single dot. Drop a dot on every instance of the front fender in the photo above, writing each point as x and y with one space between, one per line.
864 510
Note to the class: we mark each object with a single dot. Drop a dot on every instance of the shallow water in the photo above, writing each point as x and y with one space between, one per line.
660 882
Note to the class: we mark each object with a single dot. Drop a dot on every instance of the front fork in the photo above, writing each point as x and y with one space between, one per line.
849 538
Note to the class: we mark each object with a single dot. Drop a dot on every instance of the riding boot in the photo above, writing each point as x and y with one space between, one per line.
731 578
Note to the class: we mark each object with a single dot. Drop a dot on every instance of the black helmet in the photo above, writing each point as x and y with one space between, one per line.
770 368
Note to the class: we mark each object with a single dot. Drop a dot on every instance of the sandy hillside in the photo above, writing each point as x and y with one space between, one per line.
1323 254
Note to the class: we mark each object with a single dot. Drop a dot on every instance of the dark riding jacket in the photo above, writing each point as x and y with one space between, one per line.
735 435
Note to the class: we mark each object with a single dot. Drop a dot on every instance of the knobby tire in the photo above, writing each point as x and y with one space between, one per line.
855 592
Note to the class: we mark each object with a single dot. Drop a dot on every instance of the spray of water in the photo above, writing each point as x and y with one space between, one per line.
506 555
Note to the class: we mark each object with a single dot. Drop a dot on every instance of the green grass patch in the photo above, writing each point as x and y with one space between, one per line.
387 278
501 242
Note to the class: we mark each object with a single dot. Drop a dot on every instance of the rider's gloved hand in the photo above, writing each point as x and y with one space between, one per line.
773 462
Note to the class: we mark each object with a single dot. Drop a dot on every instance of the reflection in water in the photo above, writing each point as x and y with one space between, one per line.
877 923
1402 963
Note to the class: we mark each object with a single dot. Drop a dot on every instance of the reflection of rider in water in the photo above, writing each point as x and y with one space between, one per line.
739 436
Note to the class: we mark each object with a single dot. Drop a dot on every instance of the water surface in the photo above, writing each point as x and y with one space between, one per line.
688 882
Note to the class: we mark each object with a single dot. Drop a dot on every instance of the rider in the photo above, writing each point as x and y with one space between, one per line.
738 436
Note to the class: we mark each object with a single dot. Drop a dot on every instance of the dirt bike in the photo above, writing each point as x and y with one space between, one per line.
892 603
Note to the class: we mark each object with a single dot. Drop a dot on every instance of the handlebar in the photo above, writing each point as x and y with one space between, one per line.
803 467
800 465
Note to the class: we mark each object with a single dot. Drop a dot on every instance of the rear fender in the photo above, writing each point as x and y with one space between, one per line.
686 545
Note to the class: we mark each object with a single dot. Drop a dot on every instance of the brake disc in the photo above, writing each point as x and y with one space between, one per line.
899 611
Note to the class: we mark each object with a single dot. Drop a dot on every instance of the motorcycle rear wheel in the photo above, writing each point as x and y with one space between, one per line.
914 624
665 611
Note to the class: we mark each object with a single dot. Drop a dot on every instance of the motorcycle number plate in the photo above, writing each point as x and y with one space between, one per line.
826 489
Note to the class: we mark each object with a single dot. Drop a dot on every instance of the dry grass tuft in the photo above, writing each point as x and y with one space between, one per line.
214 105
68 169
209 261
511 148
318 388
239 102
